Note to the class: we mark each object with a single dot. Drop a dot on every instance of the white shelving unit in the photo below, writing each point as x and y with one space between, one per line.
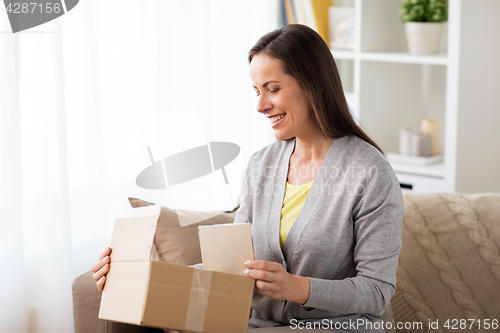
387 89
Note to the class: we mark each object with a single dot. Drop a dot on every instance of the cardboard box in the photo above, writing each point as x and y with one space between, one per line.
144 292
226 247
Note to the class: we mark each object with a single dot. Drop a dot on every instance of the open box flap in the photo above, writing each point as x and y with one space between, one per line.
226 247
134 233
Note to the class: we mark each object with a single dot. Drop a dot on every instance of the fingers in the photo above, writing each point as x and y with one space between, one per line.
271 289
101 268
263 265
100 264
259 274
105 253
273 281
263 285
265 271
101 273
100 283
103 260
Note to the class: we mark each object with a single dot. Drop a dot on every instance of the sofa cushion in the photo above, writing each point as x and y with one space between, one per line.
449 264
178 244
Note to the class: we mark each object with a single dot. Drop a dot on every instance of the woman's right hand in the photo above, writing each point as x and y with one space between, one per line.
101 268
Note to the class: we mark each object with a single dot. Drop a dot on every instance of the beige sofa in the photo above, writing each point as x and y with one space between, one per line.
448 276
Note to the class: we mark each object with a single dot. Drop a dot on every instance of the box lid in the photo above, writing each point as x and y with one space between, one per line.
226 247
133 234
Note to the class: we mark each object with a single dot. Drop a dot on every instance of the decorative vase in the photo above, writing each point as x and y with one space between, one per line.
423 37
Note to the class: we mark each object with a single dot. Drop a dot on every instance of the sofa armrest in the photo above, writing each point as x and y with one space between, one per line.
86 300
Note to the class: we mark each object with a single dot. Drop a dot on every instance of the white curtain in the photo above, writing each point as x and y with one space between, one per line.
74 96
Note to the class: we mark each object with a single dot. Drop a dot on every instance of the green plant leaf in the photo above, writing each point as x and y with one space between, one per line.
424 10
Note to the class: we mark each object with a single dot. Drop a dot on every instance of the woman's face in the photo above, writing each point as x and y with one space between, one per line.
280 98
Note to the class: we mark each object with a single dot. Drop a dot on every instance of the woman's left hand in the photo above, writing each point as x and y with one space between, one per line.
273 281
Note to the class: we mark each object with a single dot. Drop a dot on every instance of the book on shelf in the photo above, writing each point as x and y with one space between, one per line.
283 17
320 8
290 18
313 13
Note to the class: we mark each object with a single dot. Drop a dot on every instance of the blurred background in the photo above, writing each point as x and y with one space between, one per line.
76 96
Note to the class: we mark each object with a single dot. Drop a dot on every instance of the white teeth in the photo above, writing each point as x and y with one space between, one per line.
275 119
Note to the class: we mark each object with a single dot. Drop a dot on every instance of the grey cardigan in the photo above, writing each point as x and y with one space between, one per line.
346 239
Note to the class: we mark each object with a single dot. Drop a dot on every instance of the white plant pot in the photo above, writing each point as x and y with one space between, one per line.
423 37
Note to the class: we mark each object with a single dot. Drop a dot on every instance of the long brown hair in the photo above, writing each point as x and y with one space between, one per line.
307 58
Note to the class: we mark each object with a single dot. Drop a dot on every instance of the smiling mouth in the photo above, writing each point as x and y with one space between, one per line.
276 118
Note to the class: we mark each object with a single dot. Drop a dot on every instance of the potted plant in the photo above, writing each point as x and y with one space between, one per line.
424 21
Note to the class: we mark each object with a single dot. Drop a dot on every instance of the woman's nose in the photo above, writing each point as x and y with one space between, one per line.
263 104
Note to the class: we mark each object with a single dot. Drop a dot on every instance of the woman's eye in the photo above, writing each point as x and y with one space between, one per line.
274 91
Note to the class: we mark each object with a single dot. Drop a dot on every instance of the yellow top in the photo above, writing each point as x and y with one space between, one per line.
295 197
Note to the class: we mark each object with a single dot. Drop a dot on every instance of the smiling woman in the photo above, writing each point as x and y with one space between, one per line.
280 98
326 239
341 230
302 60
